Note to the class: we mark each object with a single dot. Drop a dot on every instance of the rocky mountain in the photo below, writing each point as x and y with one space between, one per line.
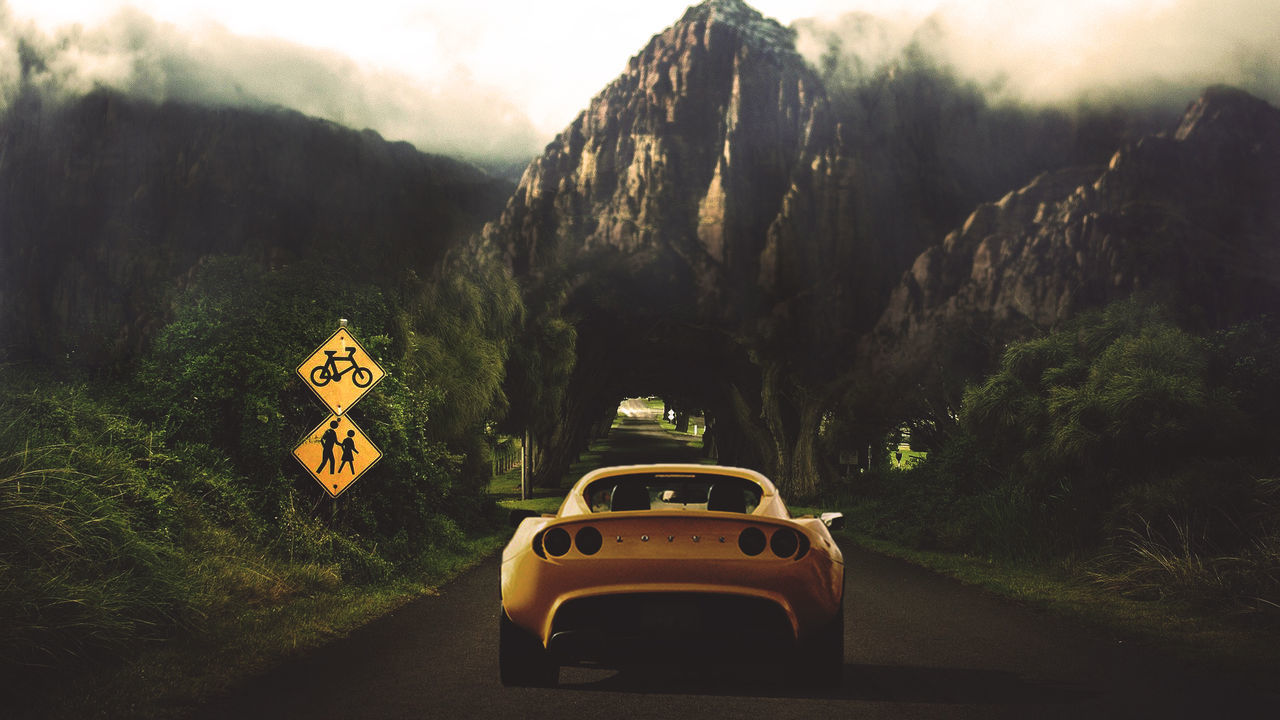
714 227
684 159
1191 220
106 203
717 230
667 214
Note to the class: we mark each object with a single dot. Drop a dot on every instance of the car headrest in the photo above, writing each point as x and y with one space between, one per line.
727 498
629 496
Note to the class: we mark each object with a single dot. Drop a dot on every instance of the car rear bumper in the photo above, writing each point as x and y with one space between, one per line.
629 628
658 579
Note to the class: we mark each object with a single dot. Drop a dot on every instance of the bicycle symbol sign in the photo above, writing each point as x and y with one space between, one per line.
340 371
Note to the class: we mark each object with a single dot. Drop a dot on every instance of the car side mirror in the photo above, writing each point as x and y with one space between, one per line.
833 520
519 515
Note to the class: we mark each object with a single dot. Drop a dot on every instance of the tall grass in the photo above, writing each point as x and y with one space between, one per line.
87 562
110 538
79 576
1183 564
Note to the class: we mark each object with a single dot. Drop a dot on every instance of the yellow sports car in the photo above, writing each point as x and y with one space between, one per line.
666 563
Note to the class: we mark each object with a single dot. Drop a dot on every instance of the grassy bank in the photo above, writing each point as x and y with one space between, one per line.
1245 644
169 678
139 574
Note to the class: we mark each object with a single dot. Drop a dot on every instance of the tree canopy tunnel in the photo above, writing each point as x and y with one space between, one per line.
616 357
608 331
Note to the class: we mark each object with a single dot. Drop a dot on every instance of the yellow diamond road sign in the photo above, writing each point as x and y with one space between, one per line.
340 371
337 453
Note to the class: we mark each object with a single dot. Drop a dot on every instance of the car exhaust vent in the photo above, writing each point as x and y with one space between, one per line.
752 541
589 540
804 546
556 541
784 542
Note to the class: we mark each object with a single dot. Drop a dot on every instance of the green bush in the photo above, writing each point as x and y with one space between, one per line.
222 375
1120 399
222 372
1121 422
164 502
1184 558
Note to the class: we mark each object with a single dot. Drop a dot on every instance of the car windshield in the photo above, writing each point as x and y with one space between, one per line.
673 491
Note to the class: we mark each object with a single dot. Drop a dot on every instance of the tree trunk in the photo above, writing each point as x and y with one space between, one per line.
786 430
771 412
806 471
747 420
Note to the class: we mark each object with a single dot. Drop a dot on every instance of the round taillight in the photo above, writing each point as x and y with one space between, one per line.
589 540
804 546
784 542
556 541
751 541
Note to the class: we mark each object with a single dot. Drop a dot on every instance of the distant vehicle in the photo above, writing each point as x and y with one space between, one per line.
671 564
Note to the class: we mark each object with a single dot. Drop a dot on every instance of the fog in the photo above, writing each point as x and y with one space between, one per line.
498 100
135 54
1052 53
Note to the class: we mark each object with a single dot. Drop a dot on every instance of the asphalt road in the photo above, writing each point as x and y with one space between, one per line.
917 645
641 440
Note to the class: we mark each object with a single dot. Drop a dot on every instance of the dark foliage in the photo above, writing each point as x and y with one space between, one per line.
1120 420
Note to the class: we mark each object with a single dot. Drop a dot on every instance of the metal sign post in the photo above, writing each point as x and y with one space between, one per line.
524 467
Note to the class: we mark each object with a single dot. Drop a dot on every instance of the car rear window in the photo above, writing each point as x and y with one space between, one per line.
673 491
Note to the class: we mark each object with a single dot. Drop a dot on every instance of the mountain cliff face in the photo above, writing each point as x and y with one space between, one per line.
712 226
718 232
1191 220
667 219
684 161
106 203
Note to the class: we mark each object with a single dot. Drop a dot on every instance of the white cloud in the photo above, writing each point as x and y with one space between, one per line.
1054 51
497 78
136 54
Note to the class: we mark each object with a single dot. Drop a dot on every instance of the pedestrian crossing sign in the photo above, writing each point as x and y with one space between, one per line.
337 453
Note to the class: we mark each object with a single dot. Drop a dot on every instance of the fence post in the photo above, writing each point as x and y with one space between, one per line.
525 456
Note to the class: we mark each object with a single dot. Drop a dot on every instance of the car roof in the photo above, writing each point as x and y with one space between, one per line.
575 503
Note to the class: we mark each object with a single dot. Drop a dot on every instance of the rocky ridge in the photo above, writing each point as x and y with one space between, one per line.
684 161
1191 220
709 207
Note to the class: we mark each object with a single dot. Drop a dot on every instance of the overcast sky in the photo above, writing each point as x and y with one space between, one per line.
486 78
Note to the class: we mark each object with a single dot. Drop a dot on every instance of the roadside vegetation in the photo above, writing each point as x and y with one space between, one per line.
157 538
158 541
1123 455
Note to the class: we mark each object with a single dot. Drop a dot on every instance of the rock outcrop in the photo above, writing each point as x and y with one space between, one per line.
1191 220
708 206
683 162
673 220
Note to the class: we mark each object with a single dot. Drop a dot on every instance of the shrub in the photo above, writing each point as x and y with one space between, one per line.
1119 423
